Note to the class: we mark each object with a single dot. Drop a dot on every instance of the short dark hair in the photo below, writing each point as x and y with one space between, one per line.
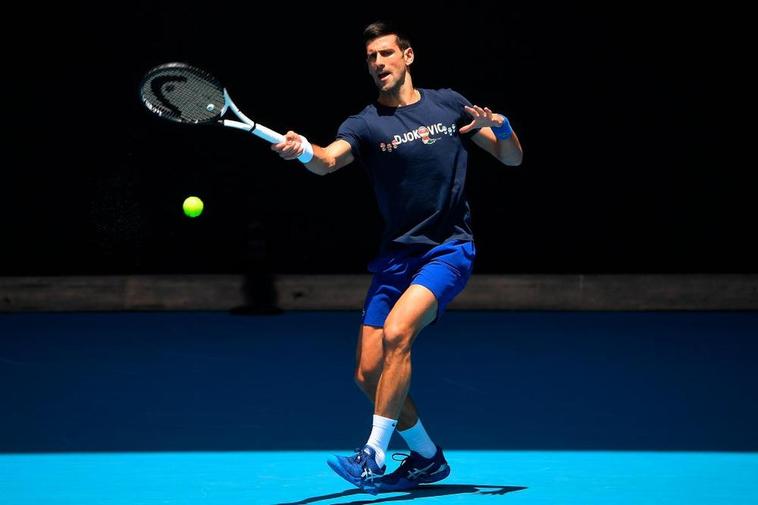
382 28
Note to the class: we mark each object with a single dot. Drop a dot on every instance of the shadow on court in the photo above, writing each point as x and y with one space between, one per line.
421 492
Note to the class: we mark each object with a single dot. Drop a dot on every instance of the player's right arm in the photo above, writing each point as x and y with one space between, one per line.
325 159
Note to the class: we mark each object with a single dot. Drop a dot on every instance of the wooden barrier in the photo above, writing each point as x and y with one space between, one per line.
346 292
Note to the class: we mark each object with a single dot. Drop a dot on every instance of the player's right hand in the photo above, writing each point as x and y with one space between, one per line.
291 148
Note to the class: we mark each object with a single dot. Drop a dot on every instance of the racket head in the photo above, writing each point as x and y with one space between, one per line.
183 93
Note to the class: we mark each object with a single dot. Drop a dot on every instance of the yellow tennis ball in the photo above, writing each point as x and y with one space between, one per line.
193 206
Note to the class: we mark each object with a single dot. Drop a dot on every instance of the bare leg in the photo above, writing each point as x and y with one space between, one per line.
415 309
368 370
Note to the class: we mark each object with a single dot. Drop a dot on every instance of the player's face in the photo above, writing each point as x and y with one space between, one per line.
387 63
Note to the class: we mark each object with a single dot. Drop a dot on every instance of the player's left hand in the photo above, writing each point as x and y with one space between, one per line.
483 117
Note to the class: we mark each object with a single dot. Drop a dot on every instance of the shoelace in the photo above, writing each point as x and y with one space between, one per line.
366 473
404 458
359 457
406 467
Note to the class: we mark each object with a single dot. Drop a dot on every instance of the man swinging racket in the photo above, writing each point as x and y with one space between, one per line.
411 142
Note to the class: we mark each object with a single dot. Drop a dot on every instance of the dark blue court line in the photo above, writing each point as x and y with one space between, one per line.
482 380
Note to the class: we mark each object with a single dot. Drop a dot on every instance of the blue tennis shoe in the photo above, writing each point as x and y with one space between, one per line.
360 469
414 470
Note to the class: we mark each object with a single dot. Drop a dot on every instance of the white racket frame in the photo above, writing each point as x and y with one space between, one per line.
258 129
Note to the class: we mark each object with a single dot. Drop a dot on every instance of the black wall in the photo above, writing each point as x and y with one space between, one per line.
627 116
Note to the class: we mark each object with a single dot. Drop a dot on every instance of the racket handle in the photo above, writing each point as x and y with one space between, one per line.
275 138
261 131
307 150
267 134
271 136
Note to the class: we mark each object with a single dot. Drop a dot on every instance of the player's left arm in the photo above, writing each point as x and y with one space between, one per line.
495 135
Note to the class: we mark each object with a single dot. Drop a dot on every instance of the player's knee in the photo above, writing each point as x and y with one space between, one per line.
397 337
366 379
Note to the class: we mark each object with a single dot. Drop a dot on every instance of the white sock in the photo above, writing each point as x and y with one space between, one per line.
418 440
381 433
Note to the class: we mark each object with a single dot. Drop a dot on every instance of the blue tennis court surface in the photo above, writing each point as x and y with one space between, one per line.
479 477
208 408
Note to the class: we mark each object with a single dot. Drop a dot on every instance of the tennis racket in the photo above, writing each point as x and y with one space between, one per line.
186 94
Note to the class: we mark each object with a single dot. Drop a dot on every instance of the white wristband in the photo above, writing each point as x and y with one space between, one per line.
307 150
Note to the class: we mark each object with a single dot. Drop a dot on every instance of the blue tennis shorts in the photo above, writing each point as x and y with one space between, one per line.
444 270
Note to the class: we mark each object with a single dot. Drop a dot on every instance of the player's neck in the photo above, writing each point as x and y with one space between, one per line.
401 97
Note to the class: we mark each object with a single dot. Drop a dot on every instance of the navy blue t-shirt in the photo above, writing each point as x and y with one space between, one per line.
416 161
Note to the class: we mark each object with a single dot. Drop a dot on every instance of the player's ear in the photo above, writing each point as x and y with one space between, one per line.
408 56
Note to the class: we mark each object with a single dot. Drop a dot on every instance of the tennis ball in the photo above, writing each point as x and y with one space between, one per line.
193 206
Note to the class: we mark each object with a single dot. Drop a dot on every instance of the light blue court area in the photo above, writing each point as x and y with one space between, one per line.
531 408
478 477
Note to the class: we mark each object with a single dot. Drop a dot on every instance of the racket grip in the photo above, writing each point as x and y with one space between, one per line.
307 151
267 134
275 138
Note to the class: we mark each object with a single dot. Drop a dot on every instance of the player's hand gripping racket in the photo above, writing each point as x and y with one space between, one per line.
185 94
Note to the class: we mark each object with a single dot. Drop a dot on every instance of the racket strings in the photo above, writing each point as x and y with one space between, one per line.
184 94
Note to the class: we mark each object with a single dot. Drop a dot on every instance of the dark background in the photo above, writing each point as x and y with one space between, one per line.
628 117
634 124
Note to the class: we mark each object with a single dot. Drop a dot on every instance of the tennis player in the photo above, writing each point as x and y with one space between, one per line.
414 144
